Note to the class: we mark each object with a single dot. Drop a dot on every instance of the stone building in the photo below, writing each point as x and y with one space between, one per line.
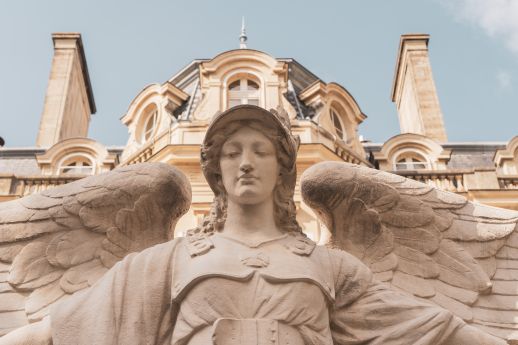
166 123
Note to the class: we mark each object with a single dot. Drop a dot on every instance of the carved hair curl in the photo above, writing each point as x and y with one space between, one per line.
284 206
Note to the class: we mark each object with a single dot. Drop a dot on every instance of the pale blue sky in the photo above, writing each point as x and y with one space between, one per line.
129 44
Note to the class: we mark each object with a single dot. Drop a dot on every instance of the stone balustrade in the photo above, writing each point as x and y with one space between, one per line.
141 156
23 186
446 180
508 182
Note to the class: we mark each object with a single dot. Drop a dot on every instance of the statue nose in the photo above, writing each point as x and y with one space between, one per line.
246 167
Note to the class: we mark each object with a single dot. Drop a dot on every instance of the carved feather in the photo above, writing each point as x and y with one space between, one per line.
62 240
458 254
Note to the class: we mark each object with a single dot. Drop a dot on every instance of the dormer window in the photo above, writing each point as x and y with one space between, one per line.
76 166
338 125
411 161
150 126
243 91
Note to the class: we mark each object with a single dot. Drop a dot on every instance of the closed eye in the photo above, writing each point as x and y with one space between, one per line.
232 154
261 153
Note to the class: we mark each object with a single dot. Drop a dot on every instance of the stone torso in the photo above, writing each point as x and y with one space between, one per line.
276 287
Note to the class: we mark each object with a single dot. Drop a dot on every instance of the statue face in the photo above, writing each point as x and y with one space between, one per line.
249 167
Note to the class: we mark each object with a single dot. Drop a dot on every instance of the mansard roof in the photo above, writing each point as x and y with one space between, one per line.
187 79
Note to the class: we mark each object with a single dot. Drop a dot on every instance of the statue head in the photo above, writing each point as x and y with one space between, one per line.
275 126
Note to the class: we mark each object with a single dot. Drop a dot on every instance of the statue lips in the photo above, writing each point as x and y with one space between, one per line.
247 179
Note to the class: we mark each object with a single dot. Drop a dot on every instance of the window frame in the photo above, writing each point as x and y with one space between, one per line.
244 95
334 116
70 163
147 134
412 160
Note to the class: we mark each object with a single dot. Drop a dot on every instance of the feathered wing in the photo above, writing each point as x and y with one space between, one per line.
433 244
62 240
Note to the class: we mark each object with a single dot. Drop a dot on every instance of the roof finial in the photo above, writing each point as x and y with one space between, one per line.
242 37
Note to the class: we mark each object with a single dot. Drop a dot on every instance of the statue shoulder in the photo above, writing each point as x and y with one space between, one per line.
343 258
160 254
300 244
351 276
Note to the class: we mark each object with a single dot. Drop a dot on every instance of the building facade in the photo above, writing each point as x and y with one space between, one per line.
167 122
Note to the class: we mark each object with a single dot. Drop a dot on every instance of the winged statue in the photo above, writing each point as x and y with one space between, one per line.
95 262
433 244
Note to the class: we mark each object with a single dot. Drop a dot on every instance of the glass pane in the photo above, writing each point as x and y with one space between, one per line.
86 170
337 124
252 85
401 166
340 133
253 102
150 125
234 86
234 102
147 135
77 168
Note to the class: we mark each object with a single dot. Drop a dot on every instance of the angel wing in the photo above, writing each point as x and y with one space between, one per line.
433 244
62 240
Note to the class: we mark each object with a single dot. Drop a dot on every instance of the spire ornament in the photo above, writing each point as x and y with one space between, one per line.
243 38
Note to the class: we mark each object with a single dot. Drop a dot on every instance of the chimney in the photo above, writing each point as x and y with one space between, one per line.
413 89
69 101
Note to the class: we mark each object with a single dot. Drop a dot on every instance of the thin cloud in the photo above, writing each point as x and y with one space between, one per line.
498 18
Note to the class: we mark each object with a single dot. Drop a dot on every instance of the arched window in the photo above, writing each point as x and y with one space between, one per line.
338 125
411 161
243 91
77 165
150 126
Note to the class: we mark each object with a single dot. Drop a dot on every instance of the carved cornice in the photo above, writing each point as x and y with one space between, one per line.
431 148
74 146
509 153
245 56
166 93
319 93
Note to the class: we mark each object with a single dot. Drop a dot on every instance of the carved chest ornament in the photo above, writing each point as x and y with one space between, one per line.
200 243
258 260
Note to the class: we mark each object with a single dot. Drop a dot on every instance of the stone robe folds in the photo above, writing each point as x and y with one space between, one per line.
147 298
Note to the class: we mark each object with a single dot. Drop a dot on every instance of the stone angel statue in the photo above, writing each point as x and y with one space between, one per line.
93 262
